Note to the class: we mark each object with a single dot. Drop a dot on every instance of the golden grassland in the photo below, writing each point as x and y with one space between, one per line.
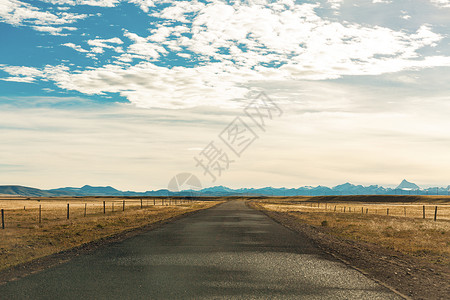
25 239
369 222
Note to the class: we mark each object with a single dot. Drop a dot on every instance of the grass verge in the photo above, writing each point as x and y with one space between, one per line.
424 239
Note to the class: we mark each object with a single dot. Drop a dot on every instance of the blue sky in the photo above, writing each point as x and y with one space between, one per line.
127 92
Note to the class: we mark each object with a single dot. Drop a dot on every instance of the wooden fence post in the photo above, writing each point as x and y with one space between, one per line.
104 207
68 210
424 211
387 211
344 208
112 206
123 205
39 214
335 208
362 210
85 209
367 211
404 210
3 218
435 213
141 203
154 201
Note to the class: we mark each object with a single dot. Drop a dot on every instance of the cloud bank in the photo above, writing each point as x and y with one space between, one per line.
224 50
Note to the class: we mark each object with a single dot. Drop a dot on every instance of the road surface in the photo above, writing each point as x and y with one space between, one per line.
227 252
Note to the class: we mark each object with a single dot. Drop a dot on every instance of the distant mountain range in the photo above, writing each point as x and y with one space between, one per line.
405 188
406 185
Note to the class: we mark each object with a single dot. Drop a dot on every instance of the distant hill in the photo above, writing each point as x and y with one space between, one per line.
88 190
405 188
18 190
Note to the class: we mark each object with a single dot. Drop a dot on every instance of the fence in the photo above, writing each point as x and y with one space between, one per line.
429 211
29 213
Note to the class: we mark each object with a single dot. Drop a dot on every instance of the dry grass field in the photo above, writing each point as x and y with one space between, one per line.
27 236
399 225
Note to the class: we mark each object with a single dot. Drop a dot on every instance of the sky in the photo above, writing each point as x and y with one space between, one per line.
130 93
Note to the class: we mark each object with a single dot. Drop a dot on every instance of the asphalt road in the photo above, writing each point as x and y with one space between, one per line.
227 252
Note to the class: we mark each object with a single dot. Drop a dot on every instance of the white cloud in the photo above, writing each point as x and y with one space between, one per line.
148 85
141 48
75 47
21 71
143 4
178 10
184 55
233 47
295 34
53 30
19 79
21 74
19 13
100 3
162 33
104 42
98 45
441 3
382 1
335 4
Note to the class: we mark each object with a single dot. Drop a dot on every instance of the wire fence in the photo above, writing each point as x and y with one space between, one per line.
30 213
417 211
